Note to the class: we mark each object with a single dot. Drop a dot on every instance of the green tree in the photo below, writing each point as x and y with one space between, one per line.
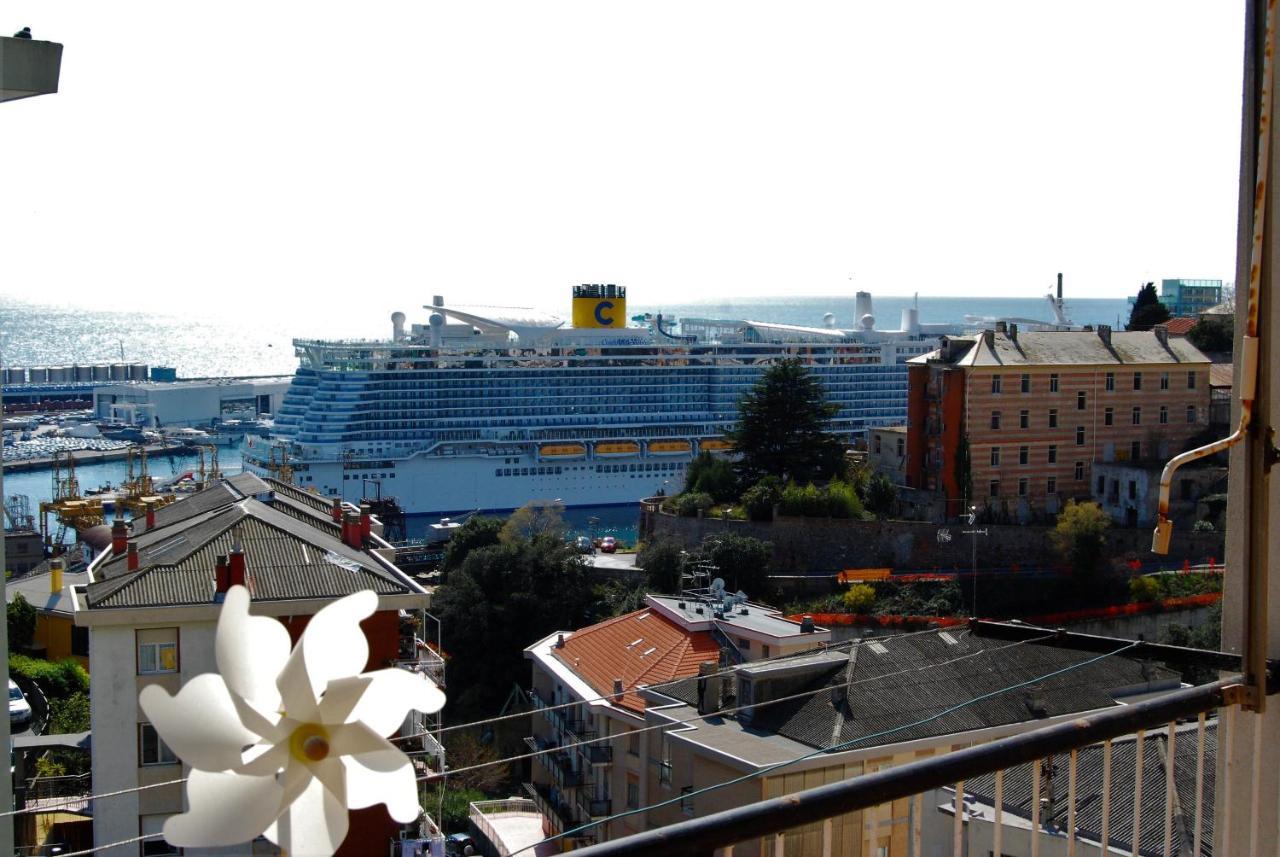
535 518
1147 310
465 750
503 598
742 561
1080 537
859 597
784 428
479 531
881 495
760 498
708 474
663 562
22 623
456 808
1213 335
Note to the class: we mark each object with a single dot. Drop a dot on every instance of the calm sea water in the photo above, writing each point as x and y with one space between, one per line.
36 335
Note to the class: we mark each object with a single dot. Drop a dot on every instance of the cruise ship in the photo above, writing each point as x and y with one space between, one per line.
491 408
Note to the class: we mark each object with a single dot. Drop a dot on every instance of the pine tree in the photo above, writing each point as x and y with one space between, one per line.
1147 310
784 428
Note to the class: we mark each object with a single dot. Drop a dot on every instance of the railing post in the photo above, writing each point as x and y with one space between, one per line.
957 828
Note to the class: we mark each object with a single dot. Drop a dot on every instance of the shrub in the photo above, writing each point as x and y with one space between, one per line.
806 502
859 597
1144 589
58 680
760 498
710 475
22 623
843 501
1202 527
689 504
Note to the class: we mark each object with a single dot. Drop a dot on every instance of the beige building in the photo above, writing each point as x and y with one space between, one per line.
151 605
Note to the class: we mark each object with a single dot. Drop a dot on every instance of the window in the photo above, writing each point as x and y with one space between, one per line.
1053 453
1108 416
1102 483
1022 487
902 447
1137 380
1051 485
1053 383
994 488
995 456
157 650
995 419
686 800
1135 450
633 791
995 383
1191 380
151 750
1024 455
633 742
1111 381
1024 419
764 651
1081 401
1164 380
1079 435
1133 490
1079 473
877 444
1191 413
80 641
1026 383
1053 418
1137 415
1164 415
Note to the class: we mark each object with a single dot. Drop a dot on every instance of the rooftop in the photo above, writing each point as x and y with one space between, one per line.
1056 348
34 587
1180 326
752 619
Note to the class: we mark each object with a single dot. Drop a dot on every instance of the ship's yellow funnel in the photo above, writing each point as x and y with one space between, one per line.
599 305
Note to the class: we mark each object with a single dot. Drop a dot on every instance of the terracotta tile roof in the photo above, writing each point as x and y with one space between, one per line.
641 648
1180 326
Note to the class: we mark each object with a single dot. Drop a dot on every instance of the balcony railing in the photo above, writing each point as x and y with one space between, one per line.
1034 792
488 817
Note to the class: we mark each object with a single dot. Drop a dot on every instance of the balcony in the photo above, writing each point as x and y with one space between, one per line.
1062 789
423 659
511 826
552 806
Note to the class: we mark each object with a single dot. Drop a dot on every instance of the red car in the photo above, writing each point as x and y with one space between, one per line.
609 544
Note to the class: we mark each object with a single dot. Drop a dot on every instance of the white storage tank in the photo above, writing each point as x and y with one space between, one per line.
102 372
119 372
59 374
39 374
81 373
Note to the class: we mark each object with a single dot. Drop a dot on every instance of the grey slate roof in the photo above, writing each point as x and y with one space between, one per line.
1017 790
879 706
290 553
1055 348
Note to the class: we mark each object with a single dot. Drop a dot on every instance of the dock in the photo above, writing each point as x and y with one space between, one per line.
90 456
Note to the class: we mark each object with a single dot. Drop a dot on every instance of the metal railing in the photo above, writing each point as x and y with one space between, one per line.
481 811
1046 815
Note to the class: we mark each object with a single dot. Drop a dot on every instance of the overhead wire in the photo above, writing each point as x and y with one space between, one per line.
822 751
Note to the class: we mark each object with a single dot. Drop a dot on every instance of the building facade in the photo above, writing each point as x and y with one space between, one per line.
1010 425
1185 297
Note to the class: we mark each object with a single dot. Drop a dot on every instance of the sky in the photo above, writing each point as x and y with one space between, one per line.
303 157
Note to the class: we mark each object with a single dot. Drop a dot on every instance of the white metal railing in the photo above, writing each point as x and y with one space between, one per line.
480 811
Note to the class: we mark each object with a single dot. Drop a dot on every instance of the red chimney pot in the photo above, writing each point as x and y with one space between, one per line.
119 537
237 568
132 557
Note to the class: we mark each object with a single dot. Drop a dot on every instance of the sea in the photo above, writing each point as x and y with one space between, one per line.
210 345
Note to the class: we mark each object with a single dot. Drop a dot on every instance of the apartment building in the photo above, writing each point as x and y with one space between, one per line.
604 669
1012 423
151 606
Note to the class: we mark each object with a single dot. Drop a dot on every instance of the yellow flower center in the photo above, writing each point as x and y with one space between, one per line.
309 742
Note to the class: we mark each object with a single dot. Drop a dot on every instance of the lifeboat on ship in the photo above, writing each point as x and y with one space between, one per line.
715 444
670 447
617 449
562 451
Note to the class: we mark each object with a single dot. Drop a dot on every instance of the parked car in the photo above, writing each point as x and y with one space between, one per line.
19 708
460 845
609 544
583 544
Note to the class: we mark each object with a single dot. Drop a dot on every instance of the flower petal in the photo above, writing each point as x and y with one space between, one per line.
225 809
389 697
265 759
251 651
314 825
341 697
354 739
332 647
383 776
200 723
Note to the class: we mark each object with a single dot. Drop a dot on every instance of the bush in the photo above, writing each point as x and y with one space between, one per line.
457 809
806 502
760 498
22 623
843 501
1202 527
710 475
859 597
1144 589
689 504
58 680
663 562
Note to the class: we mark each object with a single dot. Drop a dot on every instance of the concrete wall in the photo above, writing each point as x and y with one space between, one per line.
824 546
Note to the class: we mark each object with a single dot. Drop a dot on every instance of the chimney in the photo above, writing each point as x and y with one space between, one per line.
55 576
221 575
151 516
806 624
1059 289
1162 334
1001 327
336 511
1104 333
989 338
366 521
351 530
236 568
119 536
618 688
1013 332
709 688
132 556
560 641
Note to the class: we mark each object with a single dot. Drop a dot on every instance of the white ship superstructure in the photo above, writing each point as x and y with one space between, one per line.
489 409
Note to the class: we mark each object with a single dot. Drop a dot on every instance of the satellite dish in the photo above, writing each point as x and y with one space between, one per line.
717 588
741 596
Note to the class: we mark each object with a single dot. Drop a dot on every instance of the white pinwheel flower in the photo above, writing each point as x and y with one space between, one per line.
283 744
